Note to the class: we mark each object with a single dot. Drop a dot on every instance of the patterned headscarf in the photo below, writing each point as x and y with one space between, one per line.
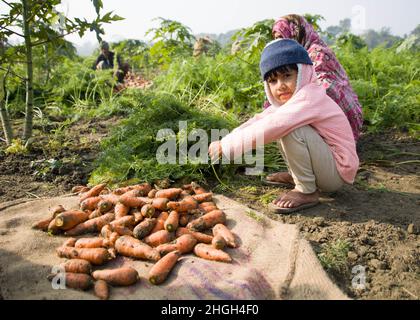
328 70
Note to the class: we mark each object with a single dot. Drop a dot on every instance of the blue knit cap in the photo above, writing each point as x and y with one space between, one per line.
282 52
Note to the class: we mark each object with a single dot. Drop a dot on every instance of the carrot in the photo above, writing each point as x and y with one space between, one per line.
159 237
207 252
101 290
105 191
144 228
122 190
96 256
113 198
121 210
106 231
113 237
207 207
183 220
160 271
147 211
131 247
197 188
127 221
171 224
186 204
203 197
95 214
208 220
79 189
69 219
125 276
152 193
92 243
70 242
56 210
90 203
160 203
183 244
160 223
122 231
184 194
78 281
95 191
53 229
218 242
222 230
143 188
43 224
112 253
90 226
133 202
105 205
201 237
187 187
171 193
77 266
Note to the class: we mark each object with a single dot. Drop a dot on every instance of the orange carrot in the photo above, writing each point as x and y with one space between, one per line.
185 243
96 256
91 243
144 228
203 197
95 214
201 237
113 238
143 188
207 207
159 237
171 224
184 194
152 193
160 223
77 266
112 253
70 242
122 231
79 189
187 187
185 205
69 219
207 252
95 191
101 290
56 210
105 205
218 242
138 217
127 221
78 281
222 230
106 231
171 193
147 211
43 224
133 202
121 210
125 276
197 188
113 198
53 229
208 220
160 271
160 203
183 220
90 203
131 247
90 226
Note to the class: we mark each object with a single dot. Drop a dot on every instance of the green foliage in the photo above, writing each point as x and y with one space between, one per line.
333 256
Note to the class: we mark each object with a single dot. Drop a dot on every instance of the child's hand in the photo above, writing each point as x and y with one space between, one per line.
215 150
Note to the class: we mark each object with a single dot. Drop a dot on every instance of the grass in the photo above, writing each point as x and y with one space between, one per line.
333 256
259 218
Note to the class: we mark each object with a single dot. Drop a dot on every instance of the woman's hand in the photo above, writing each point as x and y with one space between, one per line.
215 150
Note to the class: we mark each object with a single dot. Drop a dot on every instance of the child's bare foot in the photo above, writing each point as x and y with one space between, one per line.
296 199
280 178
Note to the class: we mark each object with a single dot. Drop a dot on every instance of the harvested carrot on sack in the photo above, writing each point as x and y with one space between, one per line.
125 276
186 204
201 237
138 217
160 271
96 256
203 197
197 188
90 203
43 224
121 210
160 203
144 228
143 188
79 189
122 231
160 223
132 201
53 229
132 247
147 211
95 191
105 205
218 242
159 237
207 207
70 242
96 242
183 244
171 193
171 223
208 220
56 210
222 230
90 226
184 220
101 290
69 219
106 231
77 266
78 281
207 252
111 197
152 193
127 221
95 214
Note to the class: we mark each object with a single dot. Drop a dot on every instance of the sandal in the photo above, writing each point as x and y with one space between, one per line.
279 210
277 183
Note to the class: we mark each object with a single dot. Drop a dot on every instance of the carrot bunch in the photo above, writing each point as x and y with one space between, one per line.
139 222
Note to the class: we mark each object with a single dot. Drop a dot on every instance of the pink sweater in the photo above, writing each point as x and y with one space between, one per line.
310 105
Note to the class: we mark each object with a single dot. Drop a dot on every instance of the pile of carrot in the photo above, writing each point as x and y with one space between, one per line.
139 222
132 80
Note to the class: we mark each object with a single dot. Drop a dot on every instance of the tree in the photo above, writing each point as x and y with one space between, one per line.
36 23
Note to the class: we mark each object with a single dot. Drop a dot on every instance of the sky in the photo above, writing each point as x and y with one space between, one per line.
220 16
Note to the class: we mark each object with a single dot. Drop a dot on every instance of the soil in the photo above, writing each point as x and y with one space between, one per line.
378 217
